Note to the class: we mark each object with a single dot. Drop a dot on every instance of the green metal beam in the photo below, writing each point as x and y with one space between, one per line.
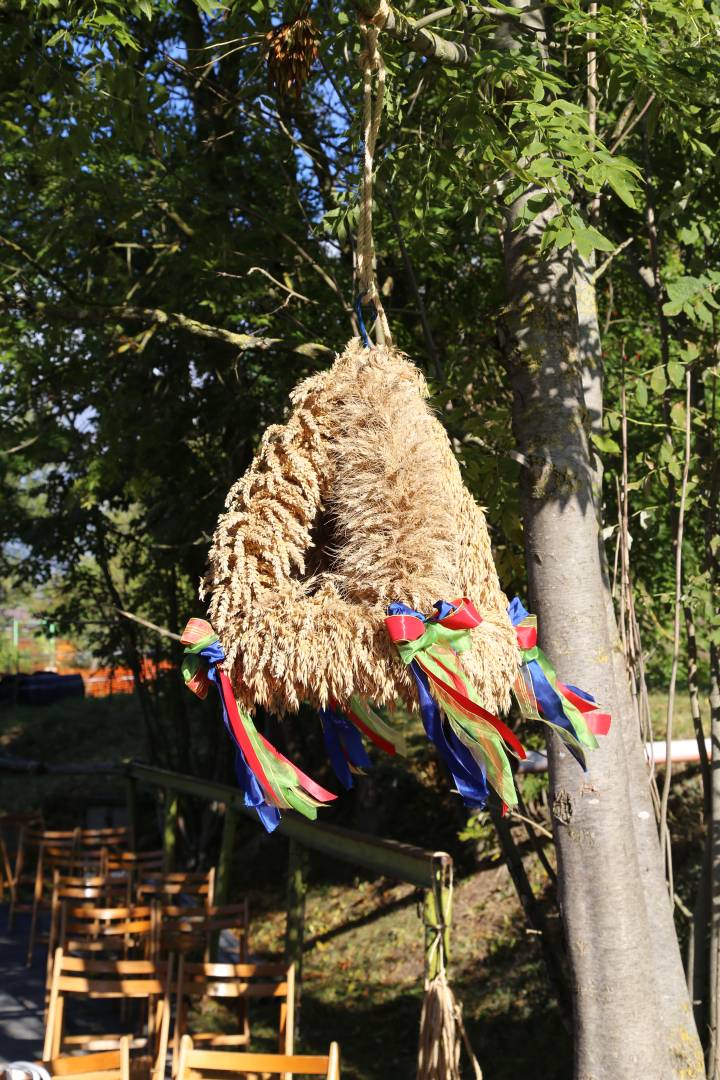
404 862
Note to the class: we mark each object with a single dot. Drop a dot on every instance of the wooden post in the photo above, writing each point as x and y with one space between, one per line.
169 829
221 891
222 883
297 889
437 919
131 802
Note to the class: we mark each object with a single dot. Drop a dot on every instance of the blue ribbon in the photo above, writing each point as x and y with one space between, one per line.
547 697
344 746
467 773
253 794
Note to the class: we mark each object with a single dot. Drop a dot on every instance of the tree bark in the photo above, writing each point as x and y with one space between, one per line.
683 1041
616 999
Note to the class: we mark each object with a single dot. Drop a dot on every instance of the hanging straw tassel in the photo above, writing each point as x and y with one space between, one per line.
442 1031
440 1046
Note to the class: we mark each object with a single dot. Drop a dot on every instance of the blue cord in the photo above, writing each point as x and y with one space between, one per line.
361 321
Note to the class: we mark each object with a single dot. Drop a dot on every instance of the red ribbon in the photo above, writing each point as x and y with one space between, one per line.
378 740
317 792
464 616
242 737
597 721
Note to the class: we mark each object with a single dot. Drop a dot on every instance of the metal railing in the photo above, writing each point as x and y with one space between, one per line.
430 871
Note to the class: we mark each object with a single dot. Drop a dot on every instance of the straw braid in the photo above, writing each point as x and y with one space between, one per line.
371 63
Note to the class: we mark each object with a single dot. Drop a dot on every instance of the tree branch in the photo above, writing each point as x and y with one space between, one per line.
419 39
172 319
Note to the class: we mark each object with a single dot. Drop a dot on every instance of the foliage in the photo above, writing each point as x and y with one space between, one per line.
150 172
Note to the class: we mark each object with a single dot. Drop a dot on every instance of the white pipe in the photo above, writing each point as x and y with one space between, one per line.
681 750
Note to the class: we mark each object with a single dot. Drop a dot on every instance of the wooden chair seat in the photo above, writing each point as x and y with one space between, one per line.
106 1065
197 1064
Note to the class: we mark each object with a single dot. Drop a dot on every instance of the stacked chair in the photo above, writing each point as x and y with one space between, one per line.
146 974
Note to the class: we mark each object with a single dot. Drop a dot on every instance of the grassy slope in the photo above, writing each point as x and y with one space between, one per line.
91 729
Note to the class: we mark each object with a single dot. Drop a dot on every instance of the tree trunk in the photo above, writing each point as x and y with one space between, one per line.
616 1000
677 1019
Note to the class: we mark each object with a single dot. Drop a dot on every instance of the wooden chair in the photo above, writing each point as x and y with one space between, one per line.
79 978
11 830
115 838
238 983
52 862
108 891
169 888
216 1064
30 840
104 1065
192 931
137 865
87 930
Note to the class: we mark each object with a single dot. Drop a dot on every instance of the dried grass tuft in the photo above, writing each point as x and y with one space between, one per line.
356 501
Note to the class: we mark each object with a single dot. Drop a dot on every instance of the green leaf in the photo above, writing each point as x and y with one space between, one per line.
589 239
641 393
658 382
57 36
676 371
618 182
672 307
677 414
606 444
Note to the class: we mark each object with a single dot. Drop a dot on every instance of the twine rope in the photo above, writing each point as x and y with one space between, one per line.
371 64
442 1030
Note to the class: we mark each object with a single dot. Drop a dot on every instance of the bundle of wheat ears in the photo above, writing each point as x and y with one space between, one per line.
357 501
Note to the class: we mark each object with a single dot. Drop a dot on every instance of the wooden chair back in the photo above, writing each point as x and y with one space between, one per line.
192 931
79 978
238 983
170 887
104 1065
197 1064
31 838
135 865
86 929
115 838
53 861
108 891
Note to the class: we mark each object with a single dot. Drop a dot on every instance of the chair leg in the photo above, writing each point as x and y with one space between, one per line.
15 880
35 907
5 872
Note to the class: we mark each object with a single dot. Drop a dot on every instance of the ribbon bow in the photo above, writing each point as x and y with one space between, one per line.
474 743
268 780
571 712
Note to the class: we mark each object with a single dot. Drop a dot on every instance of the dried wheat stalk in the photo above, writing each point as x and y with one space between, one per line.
356 501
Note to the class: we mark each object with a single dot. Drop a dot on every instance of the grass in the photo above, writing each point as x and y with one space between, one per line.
75 730
682 719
